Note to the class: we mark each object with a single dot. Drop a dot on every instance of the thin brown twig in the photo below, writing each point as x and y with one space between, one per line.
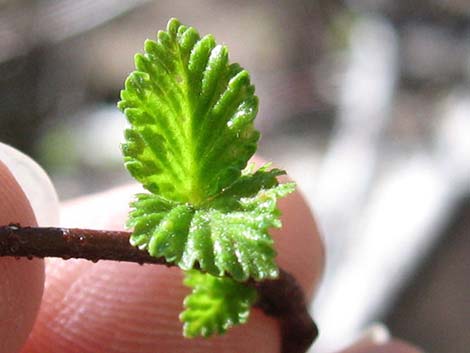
281 298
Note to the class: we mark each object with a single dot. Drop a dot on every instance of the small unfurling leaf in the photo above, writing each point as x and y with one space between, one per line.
215 304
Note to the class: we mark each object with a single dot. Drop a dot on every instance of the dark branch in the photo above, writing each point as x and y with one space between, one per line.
69 243
281 298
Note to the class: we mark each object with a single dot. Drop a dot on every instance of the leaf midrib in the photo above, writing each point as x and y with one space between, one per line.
195 196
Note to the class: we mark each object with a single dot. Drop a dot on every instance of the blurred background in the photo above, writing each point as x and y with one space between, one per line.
365 102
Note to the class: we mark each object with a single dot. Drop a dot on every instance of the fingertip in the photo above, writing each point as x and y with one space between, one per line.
120 307
300 252
298 243
21 281
35 183
14 205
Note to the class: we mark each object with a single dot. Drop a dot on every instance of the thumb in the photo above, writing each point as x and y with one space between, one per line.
21 280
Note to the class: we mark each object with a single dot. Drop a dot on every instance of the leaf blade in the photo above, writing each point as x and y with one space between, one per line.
215 304
187 106
228 236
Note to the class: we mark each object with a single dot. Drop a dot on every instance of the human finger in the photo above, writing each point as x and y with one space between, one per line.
116 307
21 280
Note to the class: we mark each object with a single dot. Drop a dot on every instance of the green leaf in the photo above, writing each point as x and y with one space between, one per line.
191 116
215 304
228 235
190 137
251 181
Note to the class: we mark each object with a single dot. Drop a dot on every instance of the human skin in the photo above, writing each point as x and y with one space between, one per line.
120 307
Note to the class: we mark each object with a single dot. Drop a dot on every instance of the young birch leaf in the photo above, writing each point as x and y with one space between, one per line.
215 304
191 116
227 236
237 236
191 134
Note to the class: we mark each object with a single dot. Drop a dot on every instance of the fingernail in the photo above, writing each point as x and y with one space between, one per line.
35 183
375 334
